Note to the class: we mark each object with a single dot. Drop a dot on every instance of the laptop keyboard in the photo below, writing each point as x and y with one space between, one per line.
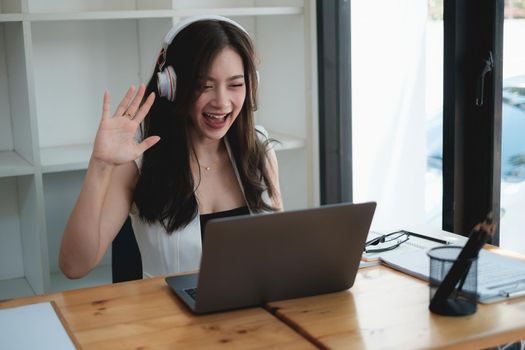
192 292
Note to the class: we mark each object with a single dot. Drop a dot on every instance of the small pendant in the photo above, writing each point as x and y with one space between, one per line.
207 168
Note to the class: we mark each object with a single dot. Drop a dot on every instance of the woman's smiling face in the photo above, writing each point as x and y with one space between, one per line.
221 98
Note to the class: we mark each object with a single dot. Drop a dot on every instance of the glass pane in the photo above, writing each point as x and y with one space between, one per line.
513 129
397 98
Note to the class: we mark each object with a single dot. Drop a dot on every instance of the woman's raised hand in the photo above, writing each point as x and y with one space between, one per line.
115 141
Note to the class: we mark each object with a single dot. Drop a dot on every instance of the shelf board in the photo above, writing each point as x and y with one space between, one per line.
76 157
137 14
96 15
19 287
65 158
287 142
243 11
11 17
15 288
12 164
99 276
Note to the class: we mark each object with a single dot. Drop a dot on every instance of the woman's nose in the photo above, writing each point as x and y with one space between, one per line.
222 98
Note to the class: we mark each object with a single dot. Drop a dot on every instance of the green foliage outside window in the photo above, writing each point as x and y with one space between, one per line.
513 9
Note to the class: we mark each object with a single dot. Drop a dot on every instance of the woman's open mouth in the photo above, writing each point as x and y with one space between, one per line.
215 121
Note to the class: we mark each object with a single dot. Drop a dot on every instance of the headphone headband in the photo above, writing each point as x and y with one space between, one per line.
166 77
168 38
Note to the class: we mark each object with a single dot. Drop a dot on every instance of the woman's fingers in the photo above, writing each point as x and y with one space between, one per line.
130 106
105 105
144 109
147 143
123 106
134 106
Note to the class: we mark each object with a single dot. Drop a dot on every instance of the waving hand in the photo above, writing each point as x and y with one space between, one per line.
115 141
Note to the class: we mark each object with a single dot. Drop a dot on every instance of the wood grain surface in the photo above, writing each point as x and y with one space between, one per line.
386 309
145 314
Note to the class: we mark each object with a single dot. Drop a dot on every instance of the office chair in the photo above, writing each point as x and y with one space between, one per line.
126 262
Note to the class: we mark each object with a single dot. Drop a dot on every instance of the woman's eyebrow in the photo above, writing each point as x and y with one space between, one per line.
240 76
235 77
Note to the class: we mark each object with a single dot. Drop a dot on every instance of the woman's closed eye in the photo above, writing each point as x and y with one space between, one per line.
207 87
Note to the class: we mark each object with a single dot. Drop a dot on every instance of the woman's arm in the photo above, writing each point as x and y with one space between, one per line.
98 215
107 191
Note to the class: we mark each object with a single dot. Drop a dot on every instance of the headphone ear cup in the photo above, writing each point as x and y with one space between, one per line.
167 83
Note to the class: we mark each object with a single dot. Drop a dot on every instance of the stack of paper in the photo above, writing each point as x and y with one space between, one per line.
34 326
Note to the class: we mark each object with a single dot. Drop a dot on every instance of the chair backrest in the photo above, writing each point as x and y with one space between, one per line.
126 262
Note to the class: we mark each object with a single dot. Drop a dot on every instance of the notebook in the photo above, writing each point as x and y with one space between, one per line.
34 326
499 277
250 260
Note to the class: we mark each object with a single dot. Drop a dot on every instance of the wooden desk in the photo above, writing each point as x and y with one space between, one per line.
388 309
146 314
384 309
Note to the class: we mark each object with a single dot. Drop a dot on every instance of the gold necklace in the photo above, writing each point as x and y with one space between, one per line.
208 167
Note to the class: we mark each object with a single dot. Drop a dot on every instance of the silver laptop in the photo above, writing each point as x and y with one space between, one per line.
250 260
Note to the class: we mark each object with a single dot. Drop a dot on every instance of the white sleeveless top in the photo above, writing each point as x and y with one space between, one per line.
167 254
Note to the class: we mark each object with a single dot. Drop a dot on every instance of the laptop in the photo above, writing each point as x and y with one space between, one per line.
250 260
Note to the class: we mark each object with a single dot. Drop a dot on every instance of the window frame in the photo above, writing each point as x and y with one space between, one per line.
471 134
335 101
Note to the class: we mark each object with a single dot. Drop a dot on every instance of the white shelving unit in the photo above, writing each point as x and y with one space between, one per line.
56 59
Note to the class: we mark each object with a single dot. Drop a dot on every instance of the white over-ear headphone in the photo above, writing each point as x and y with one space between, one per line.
167 78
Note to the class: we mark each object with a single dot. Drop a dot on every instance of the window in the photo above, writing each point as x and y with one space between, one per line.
421 127
512 218
397 99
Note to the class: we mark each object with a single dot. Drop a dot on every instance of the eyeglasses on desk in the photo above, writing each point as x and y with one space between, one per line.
386 242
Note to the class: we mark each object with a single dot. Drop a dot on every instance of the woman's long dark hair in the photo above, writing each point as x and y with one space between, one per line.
165 191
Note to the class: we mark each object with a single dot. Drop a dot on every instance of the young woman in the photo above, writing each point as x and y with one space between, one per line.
200 154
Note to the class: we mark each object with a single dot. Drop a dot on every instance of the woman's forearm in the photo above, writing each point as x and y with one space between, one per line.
81 241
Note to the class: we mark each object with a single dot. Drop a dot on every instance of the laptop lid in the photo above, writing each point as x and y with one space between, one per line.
250 260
